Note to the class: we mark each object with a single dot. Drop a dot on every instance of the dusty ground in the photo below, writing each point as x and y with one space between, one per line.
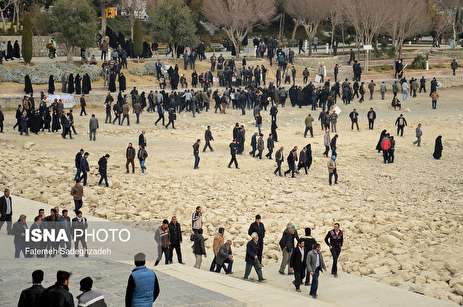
402 221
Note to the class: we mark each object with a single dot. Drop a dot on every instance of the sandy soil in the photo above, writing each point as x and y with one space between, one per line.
402 221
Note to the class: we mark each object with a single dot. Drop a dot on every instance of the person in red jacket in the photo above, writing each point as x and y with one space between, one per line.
385 147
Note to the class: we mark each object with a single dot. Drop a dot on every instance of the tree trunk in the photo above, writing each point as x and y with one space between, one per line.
69 54
296 26
454 28
333 28
103 20
131 23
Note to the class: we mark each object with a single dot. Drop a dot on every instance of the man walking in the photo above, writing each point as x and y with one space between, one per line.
371 115
308 125
130 156
103 169
92 127
400 123
233 150
270 146
84 168
196 153
334 239
279 158
6 211
418 133
252 259
354 116
175 235
332 171
208 138
287 246
297 263
315 265
259 228
77 192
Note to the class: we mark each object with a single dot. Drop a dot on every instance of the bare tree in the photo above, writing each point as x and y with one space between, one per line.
412 18
308 14
4 5
367 17
335 16
451 10
132 7
238 17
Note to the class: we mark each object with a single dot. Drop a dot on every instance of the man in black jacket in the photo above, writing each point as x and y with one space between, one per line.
309 243
30 296
251 258
297 262
334 239
354 118
175 236
142 140
102 169
233 149
208 138
58 295
371 115
259 228
77 163
287 246
6 211
130 154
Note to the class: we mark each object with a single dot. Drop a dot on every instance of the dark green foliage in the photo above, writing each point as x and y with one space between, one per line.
27 39
173 23
137 39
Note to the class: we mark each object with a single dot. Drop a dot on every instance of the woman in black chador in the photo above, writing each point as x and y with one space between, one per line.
9 51
86 84
51 85
71 84
55 125
112 83
28 85
122 83
438 148
78 84
16 50
46 120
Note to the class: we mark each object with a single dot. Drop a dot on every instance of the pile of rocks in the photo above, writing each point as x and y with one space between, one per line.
40 73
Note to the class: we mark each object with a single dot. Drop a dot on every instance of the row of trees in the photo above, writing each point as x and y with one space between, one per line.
74 23
370 18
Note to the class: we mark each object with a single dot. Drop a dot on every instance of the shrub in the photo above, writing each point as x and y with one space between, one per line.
419 62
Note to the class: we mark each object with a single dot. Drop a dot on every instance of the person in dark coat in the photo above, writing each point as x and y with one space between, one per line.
259 228
78 84
438 148
309 243
382 135
252 259
16 50
46 120
9 51
30 297
122 83
112 83
51 85
70 84
175 236
28 85
58 295
55 125
86 84
2 118
36 122
103 169
297 262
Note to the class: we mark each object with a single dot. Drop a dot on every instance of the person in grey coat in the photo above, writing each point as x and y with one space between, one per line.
198 247
93 126
89 298
224 256
64 82
315 265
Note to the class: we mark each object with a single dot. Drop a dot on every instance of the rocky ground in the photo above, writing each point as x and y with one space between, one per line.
402 221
